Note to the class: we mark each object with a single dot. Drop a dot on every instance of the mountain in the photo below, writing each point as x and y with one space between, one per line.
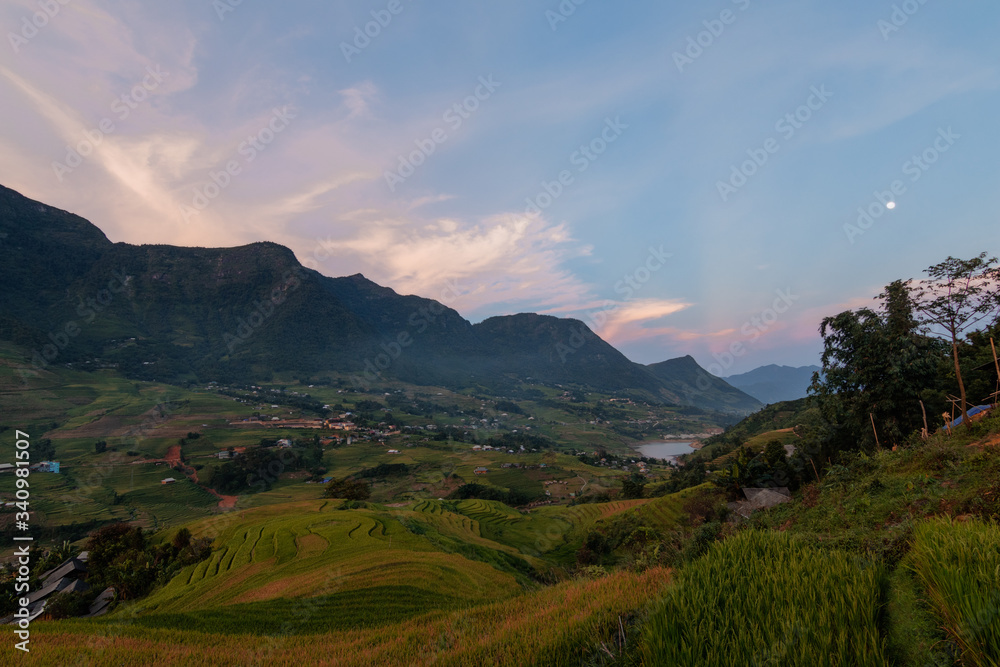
696 386
175 314
772 384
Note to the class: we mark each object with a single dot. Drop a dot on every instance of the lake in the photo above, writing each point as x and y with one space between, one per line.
665 450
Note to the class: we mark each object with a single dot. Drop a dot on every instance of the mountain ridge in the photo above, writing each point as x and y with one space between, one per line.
774 383
179 314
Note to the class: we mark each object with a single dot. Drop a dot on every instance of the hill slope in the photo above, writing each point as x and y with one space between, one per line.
696 386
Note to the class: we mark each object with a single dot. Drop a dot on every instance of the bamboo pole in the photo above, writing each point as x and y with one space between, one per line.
877 445
816 472
995 362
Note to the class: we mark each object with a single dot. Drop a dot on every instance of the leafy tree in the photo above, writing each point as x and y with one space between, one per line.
182 540
957 296
875 366
100 446
633 486
69 605
44 450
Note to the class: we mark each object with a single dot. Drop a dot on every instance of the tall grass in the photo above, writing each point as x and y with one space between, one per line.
958 565
763 598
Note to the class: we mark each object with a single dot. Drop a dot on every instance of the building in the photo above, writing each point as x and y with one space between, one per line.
168 480
68 577
481 471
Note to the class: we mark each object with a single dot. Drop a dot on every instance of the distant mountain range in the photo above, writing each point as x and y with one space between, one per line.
773 384
238 314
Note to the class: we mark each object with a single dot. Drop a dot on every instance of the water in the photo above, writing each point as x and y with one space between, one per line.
665 450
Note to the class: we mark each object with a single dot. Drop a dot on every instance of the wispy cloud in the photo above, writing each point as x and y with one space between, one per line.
502 259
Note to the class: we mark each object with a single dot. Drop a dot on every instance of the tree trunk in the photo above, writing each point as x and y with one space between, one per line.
961 385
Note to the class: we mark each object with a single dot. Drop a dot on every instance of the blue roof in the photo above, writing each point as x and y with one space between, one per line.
972 411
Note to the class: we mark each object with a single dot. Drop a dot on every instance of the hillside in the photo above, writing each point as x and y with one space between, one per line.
182 315
773 383
696 386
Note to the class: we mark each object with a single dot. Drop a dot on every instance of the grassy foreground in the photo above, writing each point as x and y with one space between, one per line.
959 567
767 599
559 625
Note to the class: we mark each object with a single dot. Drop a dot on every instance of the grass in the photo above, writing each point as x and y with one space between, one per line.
958 565
561 625
767 598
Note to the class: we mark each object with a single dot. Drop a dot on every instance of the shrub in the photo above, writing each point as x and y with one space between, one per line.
68 605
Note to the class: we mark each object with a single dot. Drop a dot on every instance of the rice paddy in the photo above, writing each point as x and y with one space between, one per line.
558 626
764 598
958 565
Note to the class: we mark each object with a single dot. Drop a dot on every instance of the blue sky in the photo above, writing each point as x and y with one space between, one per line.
299 124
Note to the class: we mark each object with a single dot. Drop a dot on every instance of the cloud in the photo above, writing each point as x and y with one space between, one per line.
502 259
357 98
623 322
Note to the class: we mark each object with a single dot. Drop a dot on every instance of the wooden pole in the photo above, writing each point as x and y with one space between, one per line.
814 468
927 430
875 431
995 362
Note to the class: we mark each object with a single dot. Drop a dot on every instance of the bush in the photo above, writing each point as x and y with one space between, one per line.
69 605
348 489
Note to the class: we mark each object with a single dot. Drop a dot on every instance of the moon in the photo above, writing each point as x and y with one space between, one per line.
891 205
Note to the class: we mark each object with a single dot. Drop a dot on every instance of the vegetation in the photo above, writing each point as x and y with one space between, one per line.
123 557
259 467
766 598
958 565
348 489
958 296
561 625
482 492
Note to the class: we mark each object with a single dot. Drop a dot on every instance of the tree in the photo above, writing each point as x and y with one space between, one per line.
633 486
875 366
182 539
100 446
348 489
957 296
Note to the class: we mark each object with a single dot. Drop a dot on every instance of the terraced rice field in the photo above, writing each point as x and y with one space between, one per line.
558 626
310 550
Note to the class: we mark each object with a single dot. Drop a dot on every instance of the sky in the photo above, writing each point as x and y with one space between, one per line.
711 179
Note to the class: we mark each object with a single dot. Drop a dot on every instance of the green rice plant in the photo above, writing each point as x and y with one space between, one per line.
958 565
763 598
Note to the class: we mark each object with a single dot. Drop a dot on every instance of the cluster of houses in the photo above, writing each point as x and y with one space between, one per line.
331 424
67 577
43 466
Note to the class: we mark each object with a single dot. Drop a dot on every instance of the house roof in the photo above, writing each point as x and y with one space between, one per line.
99 606
71 566
75 586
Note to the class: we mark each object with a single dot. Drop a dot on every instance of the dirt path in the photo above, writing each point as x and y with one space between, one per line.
174 459
174 455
